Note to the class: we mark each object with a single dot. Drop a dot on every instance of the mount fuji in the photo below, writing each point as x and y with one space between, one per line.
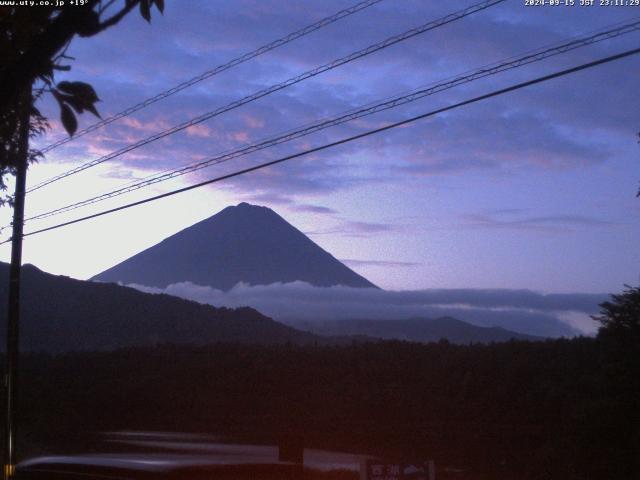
243 243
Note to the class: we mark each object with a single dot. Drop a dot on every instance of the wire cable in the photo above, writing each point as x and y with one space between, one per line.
452 17
352 114
486 96
219 69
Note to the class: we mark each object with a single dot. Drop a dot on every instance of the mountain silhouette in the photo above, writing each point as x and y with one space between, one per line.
414 329
61 314
245 243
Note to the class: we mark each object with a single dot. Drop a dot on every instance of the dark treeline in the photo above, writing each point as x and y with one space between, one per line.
559 409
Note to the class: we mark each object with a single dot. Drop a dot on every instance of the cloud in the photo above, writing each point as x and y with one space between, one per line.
518 310
268 198
581 127
274 198
315 209
546 223
199 130
487 137
152 126
354 228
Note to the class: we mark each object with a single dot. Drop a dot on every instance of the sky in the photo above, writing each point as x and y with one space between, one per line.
532 190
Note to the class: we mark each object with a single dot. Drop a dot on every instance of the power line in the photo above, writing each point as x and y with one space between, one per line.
311 73
219 69
345 140
353 114
274 88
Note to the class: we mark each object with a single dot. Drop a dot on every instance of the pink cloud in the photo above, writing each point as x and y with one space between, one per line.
253 122
240 136
152 126
199 131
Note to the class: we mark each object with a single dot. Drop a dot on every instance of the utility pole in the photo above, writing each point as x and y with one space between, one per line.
13 310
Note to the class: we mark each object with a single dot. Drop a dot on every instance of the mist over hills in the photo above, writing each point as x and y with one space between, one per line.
244 243
299 304
63 314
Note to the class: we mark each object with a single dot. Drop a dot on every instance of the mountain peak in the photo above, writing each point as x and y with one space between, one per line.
244 206
243 209
243 243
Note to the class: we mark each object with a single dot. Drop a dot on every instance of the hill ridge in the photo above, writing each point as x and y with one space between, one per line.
64 314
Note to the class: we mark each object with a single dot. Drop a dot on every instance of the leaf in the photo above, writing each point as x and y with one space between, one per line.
160 5
89 24
75 102
81 90
79 95
145 10
68 119
93 110
57 95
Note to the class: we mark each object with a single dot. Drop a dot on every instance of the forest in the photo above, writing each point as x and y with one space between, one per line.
555 409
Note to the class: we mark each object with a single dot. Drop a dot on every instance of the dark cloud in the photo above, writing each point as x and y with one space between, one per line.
549 223
318 209
276 199
353 228
543 128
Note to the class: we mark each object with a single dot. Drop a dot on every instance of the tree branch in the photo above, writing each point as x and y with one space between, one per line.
37 58
130 5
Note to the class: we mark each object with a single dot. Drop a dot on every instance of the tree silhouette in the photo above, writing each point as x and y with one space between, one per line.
33 43
621 316
619 352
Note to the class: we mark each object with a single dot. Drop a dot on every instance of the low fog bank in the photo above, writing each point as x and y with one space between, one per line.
524 311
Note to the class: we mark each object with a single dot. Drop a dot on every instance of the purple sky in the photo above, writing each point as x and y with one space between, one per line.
534 189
